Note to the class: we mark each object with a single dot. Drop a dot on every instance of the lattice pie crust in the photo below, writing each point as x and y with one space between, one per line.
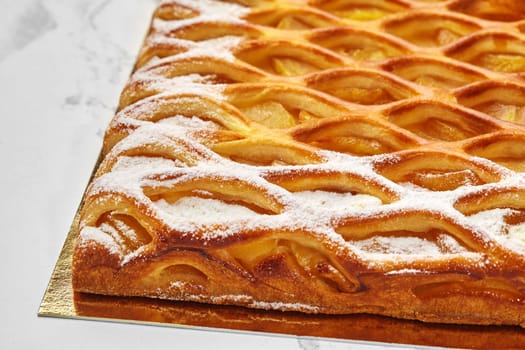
323 156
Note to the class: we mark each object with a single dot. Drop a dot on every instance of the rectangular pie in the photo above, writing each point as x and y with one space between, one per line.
321 156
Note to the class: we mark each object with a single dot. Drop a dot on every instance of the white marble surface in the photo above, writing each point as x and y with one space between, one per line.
62 66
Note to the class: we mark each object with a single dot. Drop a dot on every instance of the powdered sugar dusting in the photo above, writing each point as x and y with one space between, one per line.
211 11
217 48
247 300
491 220
334 201
517 232
284 306
313 211
496 227
449 244
214 8
397 245
191 84
192 123
94 234
124 163
196 210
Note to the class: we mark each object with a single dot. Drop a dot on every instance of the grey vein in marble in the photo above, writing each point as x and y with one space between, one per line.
30 22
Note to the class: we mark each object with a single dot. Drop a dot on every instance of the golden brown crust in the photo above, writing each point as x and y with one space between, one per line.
318 156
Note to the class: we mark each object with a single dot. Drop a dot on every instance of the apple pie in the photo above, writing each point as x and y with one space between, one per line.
321 156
